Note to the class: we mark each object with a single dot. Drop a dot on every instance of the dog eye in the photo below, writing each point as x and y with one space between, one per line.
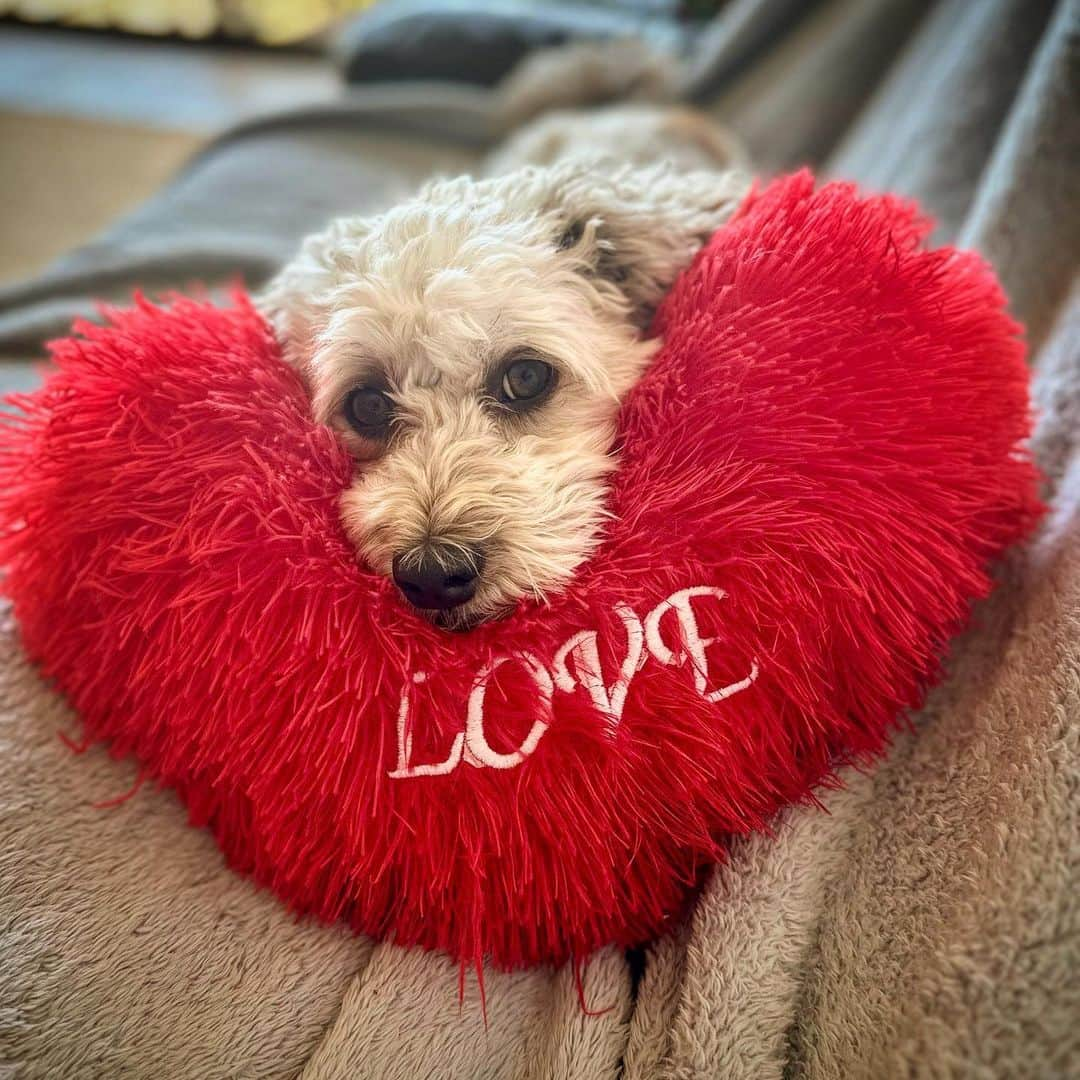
524 381
369 412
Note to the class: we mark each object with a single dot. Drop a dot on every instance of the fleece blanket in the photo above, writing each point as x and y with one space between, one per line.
925 923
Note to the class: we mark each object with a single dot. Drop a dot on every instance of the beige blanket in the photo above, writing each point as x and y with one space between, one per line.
927 924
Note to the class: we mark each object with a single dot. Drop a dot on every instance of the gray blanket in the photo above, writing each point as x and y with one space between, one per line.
926 924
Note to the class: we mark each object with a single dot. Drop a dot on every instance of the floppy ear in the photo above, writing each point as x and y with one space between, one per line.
637 228
296 299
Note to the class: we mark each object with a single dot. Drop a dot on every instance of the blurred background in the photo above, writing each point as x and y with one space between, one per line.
101 100
160 143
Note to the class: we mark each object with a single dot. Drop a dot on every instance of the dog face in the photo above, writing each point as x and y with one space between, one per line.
472 347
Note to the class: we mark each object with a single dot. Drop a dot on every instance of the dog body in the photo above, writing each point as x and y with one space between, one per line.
472 346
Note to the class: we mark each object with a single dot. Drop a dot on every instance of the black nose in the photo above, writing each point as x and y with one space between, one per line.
438 578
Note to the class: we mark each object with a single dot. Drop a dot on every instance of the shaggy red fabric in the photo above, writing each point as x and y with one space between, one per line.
816 471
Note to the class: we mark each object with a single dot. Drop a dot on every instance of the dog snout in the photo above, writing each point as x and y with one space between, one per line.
438 578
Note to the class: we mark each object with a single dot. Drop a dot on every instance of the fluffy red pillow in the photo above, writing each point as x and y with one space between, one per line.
816 471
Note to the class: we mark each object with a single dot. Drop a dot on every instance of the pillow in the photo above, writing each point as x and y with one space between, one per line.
816 471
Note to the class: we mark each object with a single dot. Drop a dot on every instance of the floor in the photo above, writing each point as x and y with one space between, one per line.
65 178
152 82
92 123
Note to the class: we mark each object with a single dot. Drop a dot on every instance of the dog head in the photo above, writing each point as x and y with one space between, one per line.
472 347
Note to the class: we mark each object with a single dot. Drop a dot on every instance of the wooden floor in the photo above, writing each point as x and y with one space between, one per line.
91 124
153 82
64 179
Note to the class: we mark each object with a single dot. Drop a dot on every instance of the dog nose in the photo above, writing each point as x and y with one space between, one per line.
438 578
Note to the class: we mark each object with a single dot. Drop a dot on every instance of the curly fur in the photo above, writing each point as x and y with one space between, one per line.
425 298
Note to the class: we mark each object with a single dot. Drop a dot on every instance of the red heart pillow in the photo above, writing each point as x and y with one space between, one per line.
815 473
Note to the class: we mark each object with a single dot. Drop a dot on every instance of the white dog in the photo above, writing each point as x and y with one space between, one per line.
472 346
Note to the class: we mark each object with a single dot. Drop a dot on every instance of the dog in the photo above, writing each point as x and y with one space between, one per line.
472 345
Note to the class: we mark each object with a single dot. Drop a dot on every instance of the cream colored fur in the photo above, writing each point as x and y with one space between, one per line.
567 262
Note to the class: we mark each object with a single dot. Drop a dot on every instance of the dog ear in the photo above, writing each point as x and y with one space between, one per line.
638 228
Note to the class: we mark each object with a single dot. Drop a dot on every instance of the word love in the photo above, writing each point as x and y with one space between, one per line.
669 634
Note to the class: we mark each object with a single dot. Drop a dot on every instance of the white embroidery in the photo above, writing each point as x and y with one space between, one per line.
478 751
693 643
585 648
643 638
735 687
404 744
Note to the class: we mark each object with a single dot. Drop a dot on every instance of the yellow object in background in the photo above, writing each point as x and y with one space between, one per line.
271 22
191 18
278 22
